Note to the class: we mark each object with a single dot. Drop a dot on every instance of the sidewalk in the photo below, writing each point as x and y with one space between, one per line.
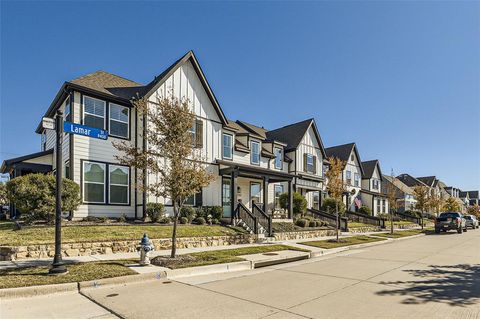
135 255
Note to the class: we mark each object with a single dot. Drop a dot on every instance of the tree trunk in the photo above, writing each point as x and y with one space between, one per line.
336 219
391 221
422 218
174 233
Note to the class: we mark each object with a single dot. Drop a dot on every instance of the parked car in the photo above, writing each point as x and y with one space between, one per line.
471 221
450 221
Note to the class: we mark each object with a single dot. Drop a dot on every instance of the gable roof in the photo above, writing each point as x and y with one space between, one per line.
428 180
293 134
399 184
410 181
9 162
343 152
369 168
253 129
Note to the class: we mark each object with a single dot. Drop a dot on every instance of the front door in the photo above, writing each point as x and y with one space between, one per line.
227 197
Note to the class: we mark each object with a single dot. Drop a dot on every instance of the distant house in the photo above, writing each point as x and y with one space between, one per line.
372 195
352 172
474 198
405 195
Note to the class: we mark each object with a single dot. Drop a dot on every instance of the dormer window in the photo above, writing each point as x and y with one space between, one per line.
278 158
255 153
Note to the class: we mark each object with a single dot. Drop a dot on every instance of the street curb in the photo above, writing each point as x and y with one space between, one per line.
209 269
32 291
115 281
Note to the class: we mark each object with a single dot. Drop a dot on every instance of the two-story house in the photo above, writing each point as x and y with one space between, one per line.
404 194
371 193
352 173
252 165
474 198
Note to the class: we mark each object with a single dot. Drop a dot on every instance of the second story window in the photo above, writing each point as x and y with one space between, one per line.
375 184
197 133
348 177
93 112
357 179
310 163
255 152
278 158
227 146
119 120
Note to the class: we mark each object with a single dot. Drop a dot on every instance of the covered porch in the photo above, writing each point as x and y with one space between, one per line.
255 187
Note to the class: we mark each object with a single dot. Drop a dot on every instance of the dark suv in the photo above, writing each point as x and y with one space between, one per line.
450 221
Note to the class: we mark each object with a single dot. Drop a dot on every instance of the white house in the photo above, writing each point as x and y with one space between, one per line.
252 165
371 192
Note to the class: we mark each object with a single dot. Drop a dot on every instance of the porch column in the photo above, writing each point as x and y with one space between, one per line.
290 199
265 194
233 193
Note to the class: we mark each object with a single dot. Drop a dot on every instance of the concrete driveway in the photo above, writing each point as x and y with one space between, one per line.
435 276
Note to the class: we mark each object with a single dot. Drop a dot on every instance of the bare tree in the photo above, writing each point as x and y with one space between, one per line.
422 196
170 154
335 185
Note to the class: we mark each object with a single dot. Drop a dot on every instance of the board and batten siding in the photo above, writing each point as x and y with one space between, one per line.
184 83
92 149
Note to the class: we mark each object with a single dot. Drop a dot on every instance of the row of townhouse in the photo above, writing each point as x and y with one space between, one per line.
252 165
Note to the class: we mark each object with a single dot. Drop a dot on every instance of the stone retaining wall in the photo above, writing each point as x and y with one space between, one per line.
366 229
304 234
94 248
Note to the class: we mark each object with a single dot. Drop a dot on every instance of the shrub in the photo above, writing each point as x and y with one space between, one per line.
155 211
365 210
122 219
200 221
329 205
215 221
201 212
183 220
164 220
312 223
413 213
302 222
188 212
34 194
103 219
320 223
216 212
3 194
299 203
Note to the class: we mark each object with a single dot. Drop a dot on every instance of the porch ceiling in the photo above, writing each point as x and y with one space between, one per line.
253 172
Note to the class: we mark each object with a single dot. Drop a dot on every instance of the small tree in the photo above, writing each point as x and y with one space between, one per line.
170 154
330 204
335 185
299 203
34 194
451 205
392 199
3 194
436 202
422 196
474 210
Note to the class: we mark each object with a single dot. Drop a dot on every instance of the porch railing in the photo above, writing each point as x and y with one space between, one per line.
263 219
366 219
329 218
408 217
242 212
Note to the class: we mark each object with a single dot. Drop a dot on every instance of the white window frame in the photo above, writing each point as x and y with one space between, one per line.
104 181
278 155
110 119
310 157
356 179
347 178
110 184
276 199
251 152
223 146
104 110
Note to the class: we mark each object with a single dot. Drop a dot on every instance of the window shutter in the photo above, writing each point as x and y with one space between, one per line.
198 133
199 199
305 168
314 165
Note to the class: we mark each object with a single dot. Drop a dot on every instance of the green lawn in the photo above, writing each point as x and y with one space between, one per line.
219 256
33 276
77 234
358 225
403 233
344 241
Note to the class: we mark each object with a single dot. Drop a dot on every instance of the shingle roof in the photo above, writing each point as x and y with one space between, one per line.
428 180
291 134
341 152
254 129
369 168
110 84
410 180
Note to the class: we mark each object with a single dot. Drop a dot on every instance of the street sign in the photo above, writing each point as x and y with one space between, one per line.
83 130
48 123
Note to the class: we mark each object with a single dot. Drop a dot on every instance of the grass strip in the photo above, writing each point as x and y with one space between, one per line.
218 256
344 241
33 276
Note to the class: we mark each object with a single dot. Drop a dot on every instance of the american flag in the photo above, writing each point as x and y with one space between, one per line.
358 202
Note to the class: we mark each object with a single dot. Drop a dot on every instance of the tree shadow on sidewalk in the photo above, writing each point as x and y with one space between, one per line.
455 285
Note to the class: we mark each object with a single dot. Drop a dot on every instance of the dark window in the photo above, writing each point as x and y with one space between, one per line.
255 152
93 112
278 192
119 120
227 146
67 113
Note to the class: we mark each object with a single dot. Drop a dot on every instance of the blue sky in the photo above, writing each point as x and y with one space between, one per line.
401 79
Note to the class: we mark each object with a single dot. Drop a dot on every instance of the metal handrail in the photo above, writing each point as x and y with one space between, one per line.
366 219
248 218
263 219
329 218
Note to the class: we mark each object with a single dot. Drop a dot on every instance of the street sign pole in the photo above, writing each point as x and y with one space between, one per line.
58 266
